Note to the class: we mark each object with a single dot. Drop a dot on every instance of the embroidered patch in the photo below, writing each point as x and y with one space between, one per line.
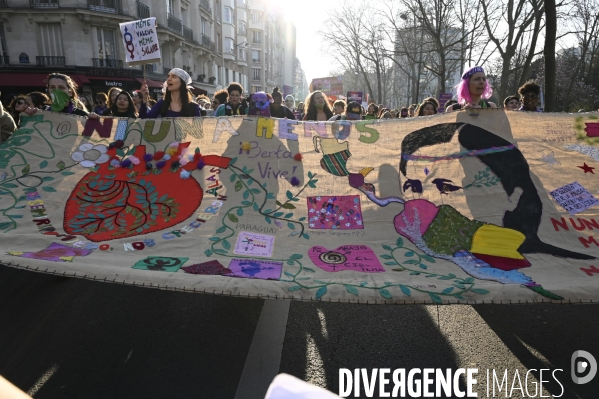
339 212
358 258
55 252
160 263
212 267
253 244
255 268
450 231
574 198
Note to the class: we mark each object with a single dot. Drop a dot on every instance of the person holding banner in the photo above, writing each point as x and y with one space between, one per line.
317 107
277 110
236 105
290 102
63 93
428 107
511 103
473 90
123 106
178 100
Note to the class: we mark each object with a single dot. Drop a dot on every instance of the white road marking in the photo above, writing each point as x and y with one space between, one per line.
42 380
264 357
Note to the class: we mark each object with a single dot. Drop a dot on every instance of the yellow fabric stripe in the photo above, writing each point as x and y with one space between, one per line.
497 241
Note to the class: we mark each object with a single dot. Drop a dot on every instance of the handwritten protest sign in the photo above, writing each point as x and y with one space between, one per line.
574 198
141 41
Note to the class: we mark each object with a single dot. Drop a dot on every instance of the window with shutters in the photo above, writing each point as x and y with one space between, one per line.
51 40
106 45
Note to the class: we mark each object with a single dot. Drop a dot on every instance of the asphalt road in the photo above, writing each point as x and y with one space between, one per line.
72 338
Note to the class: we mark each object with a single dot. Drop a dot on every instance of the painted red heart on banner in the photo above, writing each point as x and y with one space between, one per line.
108 204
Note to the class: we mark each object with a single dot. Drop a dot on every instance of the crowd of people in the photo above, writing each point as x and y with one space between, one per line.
62 95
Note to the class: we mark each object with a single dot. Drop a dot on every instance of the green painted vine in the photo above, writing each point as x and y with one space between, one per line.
242 177
484 178
28 173
456 288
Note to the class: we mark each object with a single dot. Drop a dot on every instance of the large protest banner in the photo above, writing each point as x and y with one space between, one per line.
477 206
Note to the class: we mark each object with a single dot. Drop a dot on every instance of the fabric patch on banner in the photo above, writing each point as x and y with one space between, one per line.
255 268
502 263
55 252
574 198
121 129
427 211
450 231
592 152
339 212
160 263
497 241
212 267
253 244
336 163
358 258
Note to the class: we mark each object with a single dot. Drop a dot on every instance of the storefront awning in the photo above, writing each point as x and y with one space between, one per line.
33 79
197 91
151 83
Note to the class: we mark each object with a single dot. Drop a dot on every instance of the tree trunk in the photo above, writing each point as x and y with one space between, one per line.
549 52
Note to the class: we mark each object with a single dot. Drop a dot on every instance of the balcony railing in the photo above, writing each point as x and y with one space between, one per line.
50 60
174 24
107 63
206 6
4 60
188 33
143 11
256 78
256 60
43 3
148 68
108 6
209 44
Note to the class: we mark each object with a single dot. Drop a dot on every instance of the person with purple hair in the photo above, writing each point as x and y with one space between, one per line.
473 90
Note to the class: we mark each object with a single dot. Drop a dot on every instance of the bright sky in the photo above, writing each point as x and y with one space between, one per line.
309 16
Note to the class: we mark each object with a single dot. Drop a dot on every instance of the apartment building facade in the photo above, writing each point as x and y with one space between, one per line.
208 38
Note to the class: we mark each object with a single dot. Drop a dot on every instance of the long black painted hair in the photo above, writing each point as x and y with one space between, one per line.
186 100
509 166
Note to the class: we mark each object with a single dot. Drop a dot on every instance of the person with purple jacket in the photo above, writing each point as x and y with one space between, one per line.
178 101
